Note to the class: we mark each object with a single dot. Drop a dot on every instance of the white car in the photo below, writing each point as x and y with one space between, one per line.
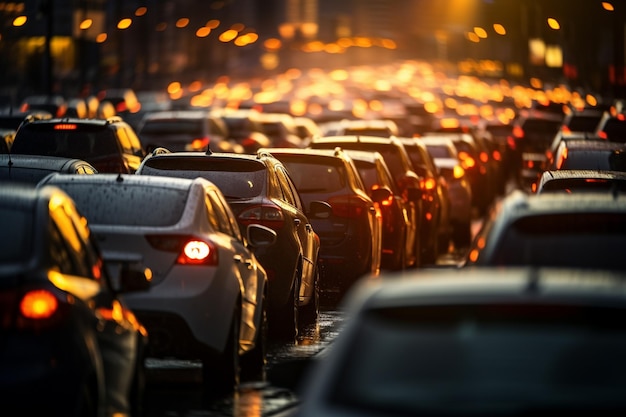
476 342
207 296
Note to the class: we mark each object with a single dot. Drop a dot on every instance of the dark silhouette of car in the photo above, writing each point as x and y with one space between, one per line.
110 145
70 346
33 168
259 190
351 236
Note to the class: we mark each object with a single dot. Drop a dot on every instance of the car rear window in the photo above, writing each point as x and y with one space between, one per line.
317 177
173 126
487 359
237 179
584 184
583 240
80 143
114 204
16 223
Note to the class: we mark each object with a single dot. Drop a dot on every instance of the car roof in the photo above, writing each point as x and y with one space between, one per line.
53 163
476 285
583 173
128 180
574 144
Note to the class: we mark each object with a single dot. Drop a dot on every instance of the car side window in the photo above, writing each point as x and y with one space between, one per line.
134 141
211 214
283 181
122 136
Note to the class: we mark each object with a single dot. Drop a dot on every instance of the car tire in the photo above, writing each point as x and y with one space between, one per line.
253 362
222 375
308 313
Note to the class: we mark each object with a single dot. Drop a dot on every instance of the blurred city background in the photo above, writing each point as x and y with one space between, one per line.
80 46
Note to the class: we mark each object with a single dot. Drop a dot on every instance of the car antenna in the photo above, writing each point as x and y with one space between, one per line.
209 151
119 177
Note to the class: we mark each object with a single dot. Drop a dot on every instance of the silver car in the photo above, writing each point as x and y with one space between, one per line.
207 299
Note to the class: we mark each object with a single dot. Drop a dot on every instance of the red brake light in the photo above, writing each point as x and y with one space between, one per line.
621 117
497 156
428 184
602 134
348 206
484 157
565 129
190 249
466 160
518 132
268 215
562 158
121 106
65 126
38 304
511 142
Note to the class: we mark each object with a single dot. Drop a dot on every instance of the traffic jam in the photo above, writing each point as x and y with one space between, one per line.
398 237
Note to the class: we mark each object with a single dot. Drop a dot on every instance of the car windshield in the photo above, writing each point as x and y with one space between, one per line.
16 223
77 143
236 179
485 360
117 205
584 240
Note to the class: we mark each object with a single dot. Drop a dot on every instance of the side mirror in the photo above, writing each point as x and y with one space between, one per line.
258 235
380 194
319 210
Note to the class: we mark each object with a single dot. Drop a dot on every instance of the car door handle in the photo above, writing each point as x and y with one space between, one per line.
308 227
240 260
297 222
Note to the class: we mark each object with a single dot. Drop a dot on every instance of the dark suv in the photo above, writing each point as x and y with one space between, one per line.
259 190
110 145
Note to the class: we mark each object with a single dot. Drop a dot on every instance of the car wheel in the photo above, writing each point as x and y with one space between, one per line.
309 312
253 362
221 375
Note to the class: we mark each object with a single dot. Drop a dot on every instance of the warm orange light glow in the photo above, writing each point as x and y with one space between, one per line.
272 44
212 24
607 6
124 23
473 256
203 32
19 21
160 27
458 172
101 38
480 32
141 11
228 36
499 29
174 87
472 37
85 24
553 23
182 22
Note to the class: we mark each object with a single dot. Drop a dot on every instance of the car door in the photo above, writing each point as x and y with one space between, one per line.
307 236
224 221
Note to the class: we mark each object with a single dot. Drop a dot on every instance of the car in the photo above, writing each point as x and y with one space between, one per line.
124 100
351 236
362 127
33 168
477 172
448 163
397 247
407 181
280 128
243 128
578 230
70 344
589 154
581 180
184 130
435 198
208 292
583 120
476 341
110 145
259 190
55 104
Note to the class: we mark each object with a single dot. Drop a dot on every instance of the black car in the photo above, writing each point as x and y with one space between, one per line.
69 345
259 190
110 145
33 168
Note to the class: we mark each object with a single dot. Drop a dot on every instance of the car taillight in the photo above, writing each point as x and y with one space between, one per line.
267 215
466 160
496 155
348 206
602 135
65 126
518 132
565 130
428 184
458 172
121 107
510 140
190 249
38 304
561 159
484 157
